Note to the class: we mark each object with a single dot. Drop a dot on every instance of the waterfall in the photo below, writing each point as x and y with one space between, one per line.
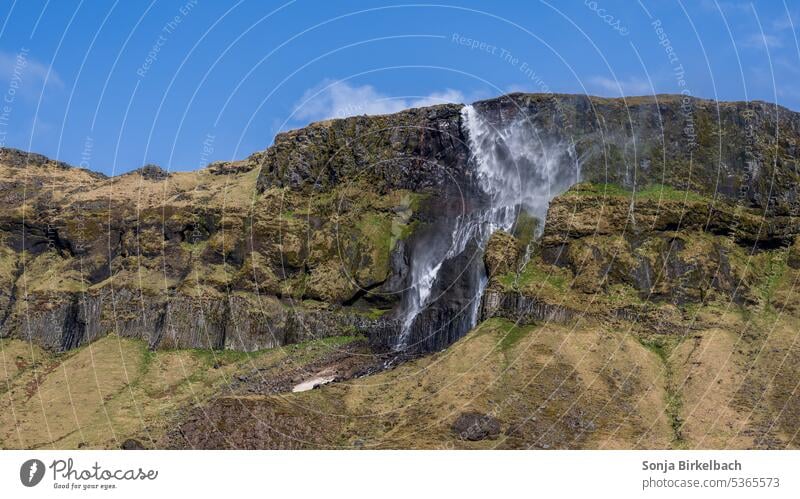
514 169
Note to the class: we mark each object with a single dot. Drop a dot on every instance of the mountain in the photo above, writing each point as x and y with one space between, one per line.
553 271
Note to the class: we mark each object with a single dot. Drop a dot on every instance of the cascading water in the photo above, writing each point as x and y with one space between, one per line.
514 170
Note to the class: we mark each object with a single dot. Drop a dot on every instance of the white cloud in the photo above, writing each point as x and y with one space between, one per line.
786 21
626 87
759 41
334 99
27 74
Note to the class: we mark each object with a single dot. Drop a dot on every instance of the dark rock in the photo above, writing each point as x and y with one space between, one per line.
132 444
603 130
448 317
476 426
523 309
21 159
413 149
153 172
419 148
230 167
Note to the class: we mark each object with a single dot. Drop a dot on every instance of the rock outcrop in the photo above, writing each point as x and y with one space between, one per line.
608 252
670 268
316 235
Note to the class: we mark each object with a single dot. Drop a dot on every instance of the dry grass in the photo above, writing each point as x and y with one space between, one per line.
114 389
551 387
731 383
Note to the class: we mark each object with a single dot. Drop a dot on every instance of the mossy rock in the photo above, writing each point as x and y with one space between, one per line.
526 228
329 283
793 257
502 253
256 275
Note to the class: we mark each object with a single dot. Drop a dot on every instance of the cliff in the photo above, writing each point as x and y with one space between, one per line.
531 271
316 235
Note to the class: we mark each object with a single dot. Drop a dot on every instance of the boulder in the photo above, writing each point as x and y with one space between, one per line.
476 426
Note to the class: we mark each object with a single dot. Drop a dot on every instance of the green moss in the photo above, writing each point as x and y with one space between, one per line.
665 192
380 233
329 282
196 247
594 189
663 346
619 295
512 335
534 275
405 230
309 350
148 356
653 191
659 345
211 357
314 304
525 228
507 332
774 267
372 313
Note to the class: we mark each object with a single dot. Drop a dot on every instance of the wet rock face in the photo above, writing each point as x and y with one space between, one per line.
619 142
451 311
476 426
680 141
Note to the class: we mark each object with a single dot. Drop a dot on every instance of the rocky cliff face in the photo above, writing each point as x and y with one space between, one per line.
736 160
317 235
659 259
411 150
181 260
746 152
607 252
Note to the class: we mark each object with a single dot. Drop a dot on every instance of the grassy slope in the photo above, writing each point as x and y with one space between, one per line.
586 385
581 385
729 381
113 389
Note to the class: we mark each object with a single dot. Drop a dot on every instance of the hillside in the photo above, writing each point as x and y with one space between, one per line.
531 271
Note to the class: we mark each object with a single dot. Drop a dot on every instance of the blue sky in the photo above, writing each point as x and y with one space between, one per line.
114 85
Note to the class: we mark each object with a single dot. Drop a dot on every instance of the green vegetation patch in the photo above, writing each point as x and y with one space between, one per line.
535 275
653 191
663 346
773 267
508 332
